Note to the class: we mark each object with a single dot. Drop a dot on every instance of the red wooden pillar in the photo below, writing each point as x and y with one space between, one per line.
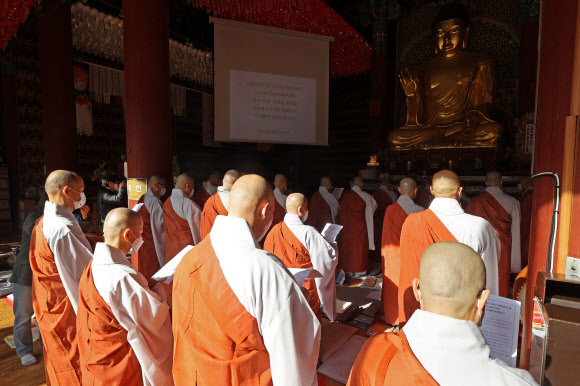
57 84
147 104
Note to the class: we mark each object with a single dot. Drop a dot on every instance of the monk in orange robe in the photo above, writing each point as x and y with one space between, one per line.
208 189
324 206
384 197
395 216
526 207
424 196
217 205
357 236
503 213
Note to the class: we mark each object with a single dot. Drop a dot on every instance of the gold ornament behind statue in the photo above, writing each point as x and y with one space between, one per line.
449 97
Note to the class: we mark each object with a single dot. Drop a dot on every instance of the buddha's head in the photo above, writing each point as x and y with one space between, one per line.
450 29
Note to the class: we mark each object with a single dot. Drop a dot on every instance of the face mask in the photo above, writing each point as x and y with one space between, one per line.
135 245
162 192
305 217
266 229
191 193
80 203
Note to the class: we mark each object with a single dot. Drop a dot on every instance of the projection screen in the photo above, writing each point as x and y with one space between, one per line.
270 84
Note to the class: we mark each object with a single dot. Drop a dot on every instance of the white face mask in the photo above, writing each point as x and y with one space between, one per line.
305 217
162 192
266 229
191 193
135 245
80 203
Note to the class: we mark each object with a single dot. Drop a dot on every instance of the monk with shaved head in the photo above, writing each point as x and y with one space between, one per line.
357 236
238 316
124 328
59 251
324 206
503 213
208 188
441 343
217 205
302 246
384 197
181 218
443 221
393 220
280 186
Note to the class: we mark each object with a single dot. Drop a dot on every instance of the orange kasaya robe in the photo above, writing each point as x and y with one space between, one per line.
486 206
201 196
387 359
145 261
419 231
213 207
383 201
395 216
216 341
526 208
177 232
319 212
52 305
353 242
286 246
107 356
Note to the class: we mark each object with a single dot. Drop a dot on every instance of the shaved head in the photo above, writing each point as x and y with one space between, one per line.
59 179
385 179
446 185
214 178
279 179
451 277
326 182
357 181
408 187
230 178
183 180
294 201
252 199
118 220
493 178
156 179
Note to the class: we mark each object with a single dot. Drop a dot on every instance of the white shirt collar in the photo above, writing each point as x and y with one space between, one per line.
107 255
211 189
292 219
494 190
447 206
152 193
236 228
59 210
384 188
223 189
178 193
356 189
404 199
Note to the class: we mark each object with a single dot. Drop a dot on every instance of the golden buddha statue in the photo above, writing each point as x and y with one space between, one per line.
449 96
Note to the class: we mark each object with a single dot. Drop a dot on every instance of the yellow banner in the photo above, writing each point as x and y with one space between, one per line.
136 187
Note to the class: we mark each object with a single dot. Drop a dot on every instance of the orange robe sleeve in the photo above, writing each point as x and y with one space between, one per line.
353 242
201 197
56 315
319 212
387 359
177 232
395 216
486 206
213 207
286 246
383 201
526 208
145 261
419 231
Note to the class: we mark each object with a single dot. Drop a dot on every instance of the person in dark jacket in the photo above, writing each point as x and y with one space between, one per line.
113 194
21 280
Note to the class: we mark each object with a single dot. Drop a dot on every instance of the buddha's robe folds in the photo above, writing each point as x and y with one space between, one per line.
323 208
181 218
503 213
443 221
301 246
124 328
239 318
151 255
214 206
395 216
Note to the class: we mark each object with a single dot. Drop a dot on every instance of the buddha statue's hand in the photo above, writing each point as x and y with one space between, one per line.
408 83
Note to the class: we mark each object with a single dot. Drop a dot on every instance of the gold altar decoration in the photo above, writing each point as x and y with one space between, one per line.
373 161
449 96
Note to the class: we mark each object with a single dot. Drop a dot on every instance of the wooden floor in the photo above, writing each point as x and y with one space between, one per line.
12 372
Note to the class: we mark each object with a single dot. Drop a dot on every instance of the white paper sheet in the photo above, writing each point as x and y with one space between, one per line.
337 192
330 232
301 274
137 207
339 364
500 327
168 270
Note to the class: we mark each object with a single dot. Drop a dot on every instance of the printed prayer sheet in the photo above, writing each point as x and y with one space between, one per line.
500 327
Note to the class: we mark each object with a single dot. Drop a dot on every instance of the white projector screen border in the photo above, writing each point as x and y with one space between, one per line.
246 48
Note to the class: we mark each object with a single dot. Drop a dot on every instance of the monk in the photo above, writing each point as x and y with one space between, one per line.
324 206
124 328
239 318
394 218
441 344
217 205
357 237
280 185
208 188
59 251
503 213
181 218
424 196
443 221
526 209
384 197
301 246
151 256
